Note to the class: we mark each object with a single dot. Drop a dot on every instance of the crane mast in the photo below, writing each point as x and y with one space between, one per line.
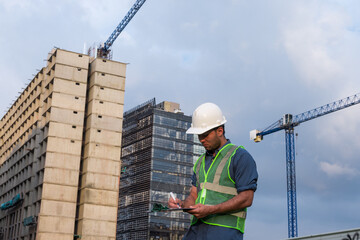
104 50
288 122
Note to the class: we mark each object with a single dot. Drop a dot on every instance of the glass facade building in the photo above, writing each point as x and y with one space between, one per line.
157 158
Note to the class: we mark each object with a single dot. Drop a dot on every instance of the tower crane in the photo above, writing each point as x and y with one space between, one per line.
104 50
287 123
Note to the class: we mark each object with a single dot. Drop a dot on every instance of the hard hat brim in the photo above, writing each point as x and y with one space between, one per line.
198 131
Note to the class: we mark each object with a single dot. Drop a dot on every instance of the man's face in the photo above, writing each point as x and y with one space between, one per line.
211 139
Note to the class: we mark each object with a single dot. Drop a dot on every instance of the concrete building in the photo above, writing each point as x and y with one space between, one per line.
60 148
157 158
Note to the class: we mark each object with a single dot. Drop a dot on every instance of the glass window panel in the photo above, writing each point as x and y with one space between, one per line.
170 224
170 178
171 122
172 155
198 149
137 146
171 167
172 133
165 143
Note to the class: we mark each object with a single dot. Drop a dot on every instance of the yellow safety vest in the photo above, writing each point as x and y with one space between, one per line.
216 186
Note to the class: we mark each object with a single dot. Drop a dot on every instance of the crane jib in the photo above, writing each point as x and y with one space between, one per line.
314 113
131 13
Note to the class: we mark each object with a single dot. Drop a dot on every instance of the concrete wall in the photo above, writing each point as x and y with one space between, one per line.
60 149
19 160
64 91
99 186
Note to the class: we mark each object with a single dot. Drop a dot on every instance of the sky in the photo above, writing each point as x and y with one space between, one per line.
257 60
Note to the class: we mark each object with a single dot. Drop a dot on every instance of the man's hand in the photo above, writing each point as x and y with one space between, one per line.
242 200
190 200
201 210
174 203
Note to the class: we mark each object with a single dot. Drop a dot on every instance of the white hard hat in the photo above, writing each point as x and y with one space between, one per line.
205 117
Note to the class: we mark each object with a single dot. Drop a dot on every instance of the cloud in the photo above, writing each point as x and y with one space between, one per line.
190 26
339 130
127 40
185 58
19 11
11 78
105 13
316 37
16 4
334 169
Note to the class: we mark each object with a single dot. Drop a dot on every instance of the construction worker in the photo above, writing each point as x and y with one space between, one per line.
223 182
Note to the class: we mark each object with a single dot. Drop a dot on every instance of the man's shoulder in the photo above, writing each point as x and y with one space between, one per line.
240 149
241 154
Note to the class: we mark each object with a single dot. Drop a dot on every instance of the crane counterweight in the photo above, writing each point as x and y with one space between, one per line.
254 135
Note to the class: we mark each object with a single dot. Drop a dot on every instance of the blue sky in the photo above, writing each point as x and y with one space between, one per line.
256 59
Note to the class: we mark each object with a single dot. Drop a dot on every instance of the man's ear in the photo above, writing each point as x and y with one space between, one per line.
220 131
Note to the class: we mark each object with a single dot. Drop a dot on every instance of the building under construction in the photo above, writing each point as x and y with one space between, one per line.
60 145
157 158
